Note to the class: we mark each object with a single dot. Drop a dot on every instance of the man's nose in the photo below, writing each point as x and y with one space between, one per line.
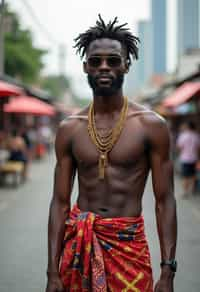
104 65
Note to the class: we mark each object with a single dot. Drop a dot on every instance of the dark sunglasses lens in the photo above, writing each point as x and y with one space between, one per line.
94 61
114 61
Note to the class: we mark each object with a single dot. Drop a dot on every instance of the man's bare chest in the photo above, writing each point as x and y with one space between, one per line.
131 147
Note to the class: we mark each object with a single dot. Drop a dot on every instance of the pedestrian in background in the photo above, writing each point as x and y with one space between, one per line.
188 146
18 152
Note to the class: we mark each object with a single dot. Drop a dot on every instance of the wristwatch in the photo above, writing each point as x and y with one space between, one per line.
171 263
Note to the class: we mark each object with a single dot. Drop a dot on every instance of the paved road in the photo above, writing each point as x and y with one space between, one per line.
23 233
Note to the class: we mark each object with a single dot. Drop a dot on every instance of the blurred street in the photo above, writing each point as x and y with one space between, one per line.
50 70
23 229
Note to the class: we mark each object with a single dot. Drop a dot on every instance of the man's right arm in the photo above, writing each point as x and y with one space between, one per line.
60 204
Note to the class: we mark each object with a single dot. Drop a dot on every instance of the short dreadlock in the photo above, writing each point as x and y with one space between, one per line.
111 31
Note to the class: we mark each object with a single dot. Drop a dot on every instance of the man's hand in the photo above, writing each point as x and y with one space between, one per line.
165 283
55 284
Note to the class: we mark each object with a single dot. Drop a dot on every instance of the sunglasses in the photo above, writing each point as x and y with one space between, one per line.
112 61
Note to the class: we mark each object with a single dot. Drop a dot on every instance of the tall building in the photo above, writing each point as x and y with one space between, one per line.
145 53
131 84
159 32
188 32
141 70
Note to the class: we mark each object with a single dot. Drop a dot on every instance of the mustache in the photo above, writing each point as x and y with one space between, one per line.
103 75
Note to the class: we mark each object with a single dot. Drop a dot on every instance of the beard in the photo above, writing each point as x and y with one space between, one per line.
116 84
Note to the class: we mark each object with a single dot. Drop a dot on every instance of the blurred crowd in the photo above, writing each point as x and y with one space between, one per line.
22 145
186 155
19 147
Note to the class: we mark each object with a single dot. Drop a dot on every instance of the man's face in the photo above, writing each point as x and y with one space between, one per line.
105 66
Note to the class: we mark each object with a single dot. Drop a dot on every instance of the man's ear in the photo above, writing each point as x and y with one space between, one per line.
85 67
127 64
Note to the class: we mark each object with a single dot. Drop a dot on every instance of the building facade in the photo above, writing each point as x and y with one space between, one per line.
159 32
188 25
145 63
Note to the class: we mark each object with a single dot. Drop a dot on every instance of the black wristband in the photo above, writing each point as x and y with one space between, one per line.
171 263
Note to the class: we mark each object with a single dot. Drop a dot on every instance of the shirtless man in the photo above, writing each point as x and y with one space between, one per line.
94 246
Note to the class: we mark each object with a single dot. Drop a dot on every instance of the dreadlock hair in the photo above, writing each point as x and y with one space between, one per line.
111 31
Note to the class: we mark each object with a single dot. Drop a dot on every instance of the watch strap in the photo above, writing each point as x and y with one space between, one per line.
171 263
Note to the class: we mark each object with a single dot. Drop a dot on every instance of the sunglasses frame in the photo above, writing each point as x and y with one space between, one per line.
101 58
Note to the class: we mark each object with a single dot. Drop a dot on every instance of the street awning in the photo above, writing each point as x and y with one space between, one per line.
164 111
7 89
182 94
29 105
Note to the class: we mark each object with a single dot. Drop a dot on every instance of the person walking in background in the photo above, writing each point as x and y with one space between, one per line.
188 146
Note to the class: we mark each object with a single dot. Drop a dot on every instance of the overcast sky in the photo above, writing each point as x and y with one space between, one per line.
58 22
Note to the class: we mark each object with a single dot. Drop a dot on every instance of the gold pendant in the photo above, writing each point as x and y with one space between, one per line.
102 165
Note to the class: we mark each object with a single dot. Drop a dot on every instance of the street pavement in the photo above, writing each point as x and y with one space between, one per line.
23 233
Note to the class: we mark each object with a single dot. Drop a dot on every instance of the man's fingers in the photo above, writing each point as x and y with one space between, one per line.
55 288
61 289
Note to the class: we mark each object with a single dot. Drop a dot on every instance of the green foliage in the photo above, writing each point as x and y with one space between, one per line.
81 102
57 85
22 59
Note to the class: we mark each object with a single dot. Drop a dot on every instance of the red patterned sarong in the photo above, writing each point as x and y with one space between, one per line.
105 254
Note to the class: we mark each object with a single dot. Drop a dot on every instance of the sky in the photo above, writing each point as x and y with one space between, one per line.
57 23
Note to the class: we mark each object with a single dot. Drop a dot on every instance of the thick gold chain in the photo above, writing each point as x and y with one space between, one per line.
105 143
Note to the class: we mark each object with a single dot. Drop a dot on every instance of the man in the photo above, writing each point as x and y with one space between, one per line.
100 244
188 145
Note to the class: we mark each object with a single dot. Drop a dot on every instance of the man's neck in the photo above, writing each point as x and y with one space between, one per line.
108 104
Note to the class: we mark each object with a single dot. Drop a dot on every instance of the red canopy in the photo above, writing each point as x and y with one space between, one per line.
29 105
182 94
7 89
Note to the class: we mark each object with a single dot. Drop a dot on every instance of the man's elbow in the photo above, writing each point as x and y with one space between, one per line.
166 203
60 205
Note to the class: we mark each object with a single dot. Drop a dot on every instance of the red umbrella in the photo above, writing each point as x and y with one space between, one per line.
29 105
7 89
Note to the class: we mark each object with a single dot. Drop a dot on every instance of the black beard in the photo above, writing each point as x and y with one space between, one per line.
102 91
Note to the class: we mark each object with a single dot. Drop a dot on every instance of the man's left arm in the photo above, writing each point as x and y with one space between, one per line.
165 203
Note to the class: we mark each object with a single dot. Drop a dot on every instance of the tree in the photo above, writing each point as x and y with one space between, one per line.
81 102
57 85
22 59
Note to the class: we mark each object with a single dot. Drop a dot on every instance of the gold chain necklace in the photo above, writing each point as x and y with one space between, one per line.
105 143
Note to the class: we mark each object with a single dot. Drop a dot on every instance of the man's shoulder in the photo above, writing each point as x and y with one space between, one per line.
146 116
80 115
151 124
68 128
73 121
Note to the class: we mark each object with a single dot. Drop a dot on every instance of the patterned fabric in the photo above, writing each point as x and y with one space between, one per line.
105 254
